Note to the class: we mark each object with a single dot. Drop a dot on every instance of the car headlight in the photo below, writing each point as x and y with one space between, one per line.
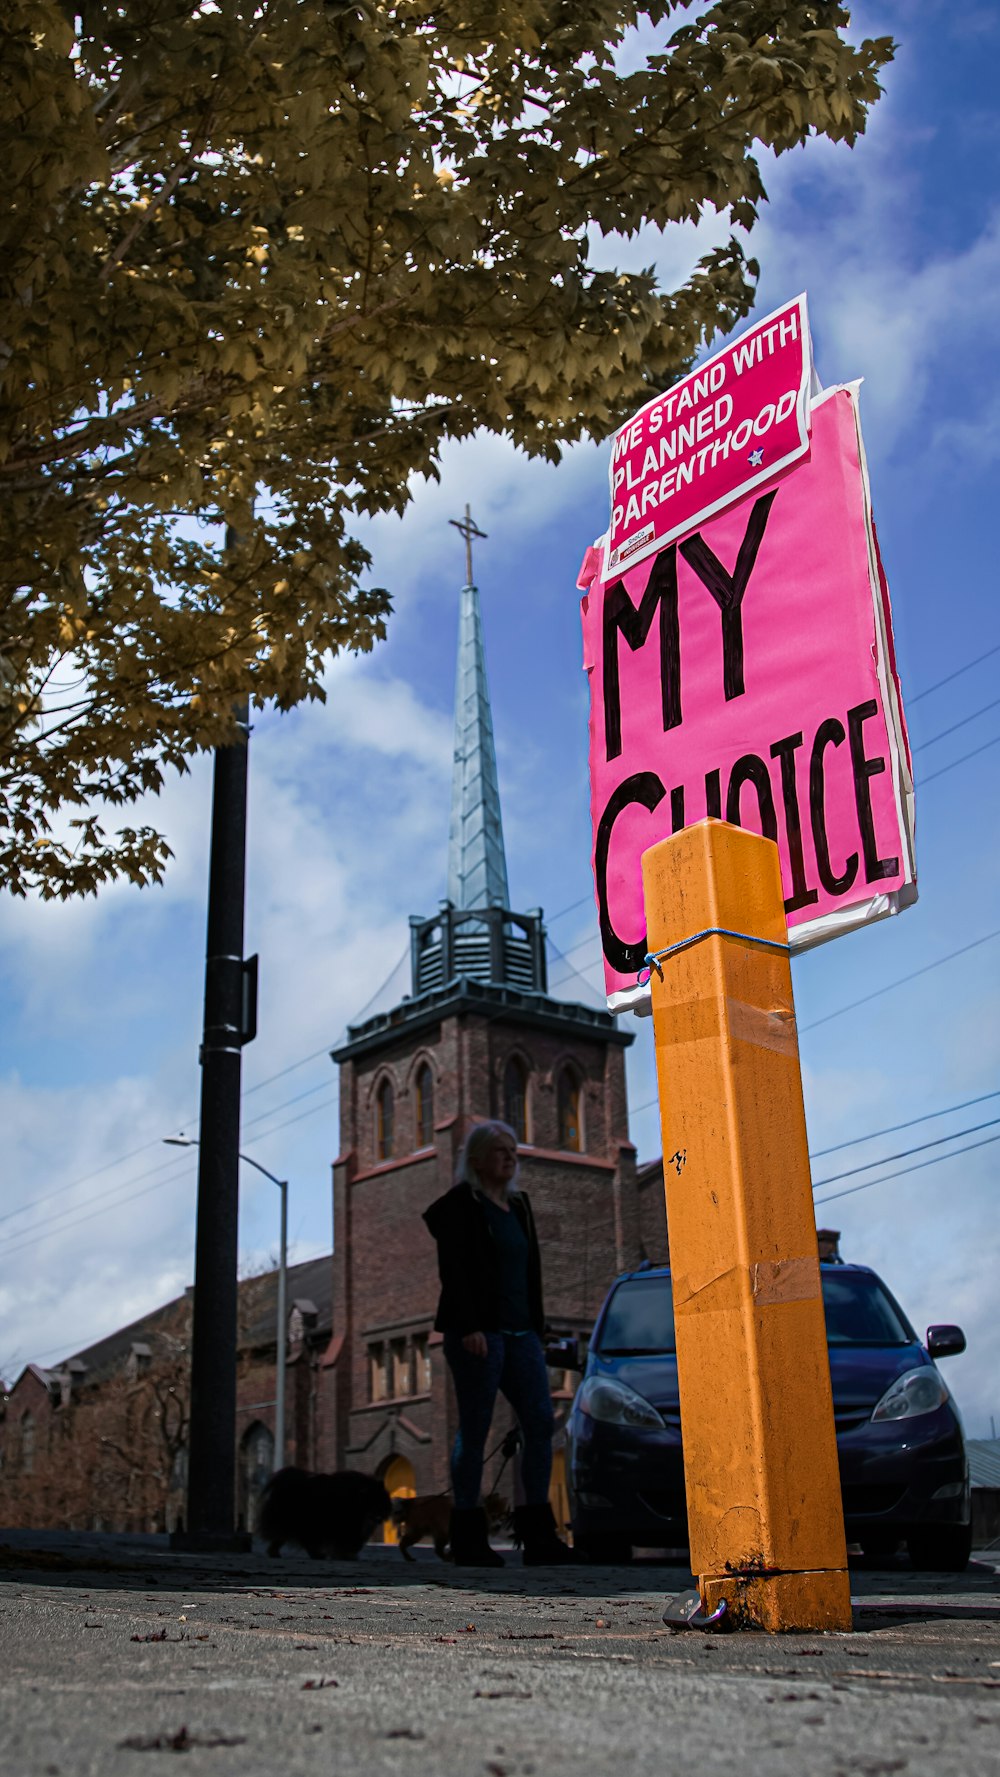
615 1403
916 1391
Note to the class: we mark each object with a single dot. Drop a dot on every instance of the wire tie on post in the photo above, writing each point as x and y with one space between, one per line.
655 959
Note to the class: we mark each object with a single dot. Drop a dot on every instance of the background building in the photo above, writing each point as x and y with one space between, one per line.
477 1035
100 1441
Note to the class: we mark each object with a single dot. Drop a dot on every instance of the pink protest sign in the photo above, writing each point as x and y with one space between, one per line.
746 671
729 426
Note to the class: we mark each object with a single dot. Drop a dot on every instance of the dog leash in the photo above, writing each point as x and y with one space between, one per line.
509 1445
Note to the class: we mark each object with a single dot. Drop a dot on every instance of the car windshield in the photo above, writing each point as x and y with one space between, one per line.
639 1318
859 1311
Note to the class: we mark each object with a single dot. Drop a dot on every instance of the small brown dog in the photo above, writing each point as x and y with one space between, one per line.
430 1515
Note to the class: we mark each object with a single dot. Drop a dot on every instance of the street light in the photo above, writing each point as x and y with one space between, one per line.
189 1141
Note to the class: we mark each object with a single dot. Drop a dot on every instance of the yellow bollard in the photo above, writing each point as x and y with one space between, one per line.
760 1455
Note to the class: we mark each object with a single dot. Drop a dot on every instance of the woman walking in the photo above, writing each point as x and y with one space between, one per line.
491 1315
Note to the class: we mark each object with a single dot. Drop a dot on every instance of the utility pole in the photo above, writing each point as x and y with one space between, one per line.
230 1021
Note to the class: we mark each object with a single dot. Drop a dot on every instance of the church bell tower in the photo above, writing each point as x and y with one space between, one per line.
478 1036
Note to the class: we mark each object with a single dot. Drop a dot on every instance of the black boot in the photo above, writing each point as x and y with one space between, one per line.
470 1543
535 1530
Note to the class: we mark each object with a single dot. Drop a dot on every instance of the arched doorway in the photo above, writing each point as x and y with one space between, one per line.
255 1469
399 1482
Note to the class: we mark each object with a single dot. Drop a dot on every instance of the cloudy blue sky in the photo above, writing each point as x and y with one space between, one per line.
898 246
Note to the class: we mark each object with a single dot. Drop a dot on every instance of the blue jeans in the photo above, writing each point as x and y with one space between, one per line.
514 1366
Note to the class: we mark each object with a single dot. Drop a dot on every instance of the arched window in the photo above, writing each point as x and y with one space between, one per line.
570 1110
384 1119
515 1097
425 1107
27 1443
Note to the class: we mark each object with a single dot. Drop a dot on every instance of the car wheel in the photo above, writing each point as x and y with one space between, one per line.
943 1548
605 1551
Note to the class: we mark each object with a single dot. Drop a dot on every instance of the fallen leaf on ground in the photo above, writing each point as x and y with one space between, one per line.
182 1741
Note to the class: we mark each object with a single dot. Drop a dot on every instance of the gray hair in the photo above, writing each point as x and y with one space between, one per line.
479 1137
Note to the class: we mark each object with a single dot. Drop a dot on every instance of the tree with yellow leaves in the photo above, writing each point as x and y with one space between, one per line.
261 259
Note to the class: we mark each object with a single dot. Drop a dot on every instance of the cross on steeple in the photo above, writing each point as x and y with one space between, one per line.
469 529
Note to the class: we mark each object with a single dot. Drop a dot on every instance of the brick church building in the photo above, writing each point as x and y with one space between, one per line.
479 1035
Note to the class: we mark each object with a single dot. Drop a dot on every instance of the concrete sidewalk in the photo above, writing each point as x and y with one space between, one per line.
114 1650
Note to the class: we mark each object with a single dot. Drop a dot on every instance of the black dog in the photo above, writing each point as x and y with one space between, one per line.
330 1515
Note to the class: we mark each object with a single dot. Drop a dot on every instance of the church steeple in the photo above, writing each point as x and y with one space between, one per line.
476 951
477 867
476 936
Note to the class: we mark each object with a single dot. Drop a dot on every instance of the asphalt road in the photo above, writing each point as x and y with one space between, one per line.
116 1656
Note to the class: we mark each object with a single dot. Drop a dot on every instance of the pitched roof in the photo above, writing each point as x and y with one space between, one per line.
313 1279
984 1461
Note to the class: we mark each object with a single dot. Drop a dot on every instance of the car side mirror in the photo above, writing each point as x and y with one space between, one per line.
945 1341
563 1354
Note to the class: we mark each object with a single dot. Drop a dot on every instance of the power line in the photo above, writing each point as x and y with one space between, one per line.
551 918
919 1167
84 1179
156 1142
959 670
57 1224
99 1197
924 781
894 1128
903 979
564 955
39 1230
634 1110
292 1068
315 1054
963 723
290 1120
11 1243
571 973
39 1234
904 1153
874 1134
920 784
299 1096
325 1050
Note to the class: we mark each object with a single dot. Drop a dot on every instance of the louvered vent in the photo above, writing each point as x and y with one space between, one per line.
519 962
484 944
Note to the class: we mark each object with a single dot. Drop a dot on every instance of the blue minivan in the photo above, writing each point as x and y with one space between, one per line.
903 1468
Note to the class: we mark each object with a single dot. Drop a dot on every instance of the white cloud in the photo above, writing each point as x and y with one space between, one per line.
348 814
81 1250
507 490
